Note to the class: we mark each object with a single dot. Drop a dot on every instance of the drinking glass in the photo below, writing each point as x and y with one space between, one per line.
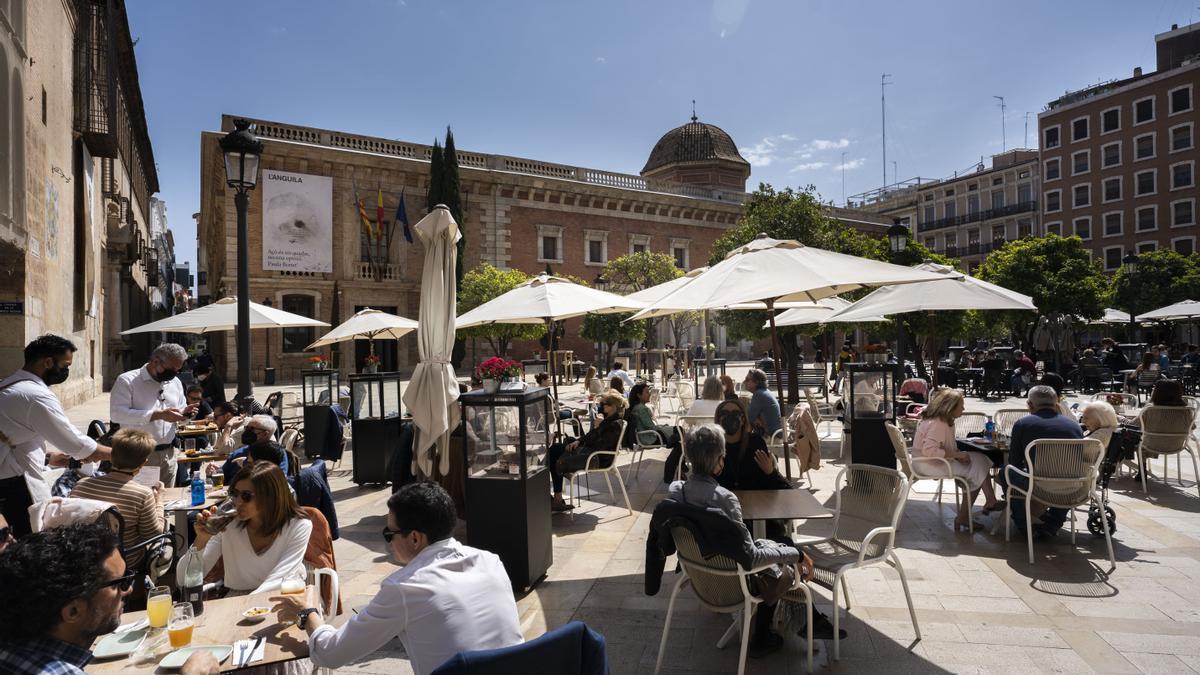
218 479
295 582
158 606
179 631
226 512
189 445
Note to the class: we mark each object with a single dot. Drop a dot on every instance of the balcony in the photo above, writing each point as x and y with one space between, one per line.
365 271
978 216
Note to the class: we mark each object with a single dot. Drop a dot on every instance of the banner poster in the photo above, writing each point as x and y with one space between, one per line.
297 222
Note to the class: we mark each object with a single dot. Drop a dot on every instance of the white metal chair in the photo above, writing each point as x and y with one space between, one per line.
685 395
329 609
1005 418
970 423
721 585
821 412
1167 430
1062 474
595 465
640 448
929 468
867 509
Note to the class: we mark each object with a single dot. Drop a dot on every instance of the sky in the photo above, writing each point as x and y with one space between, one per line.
596 83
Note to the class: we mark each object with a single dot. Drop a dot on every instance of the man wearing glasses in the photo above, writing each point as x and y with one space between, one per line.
151 398
447 598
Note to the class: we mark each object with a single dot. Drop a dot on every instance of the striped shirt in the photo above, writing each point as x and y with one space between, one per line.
139 507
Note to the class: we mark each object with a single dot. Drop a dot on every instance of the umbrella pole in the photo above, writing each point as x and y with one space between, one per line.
553 373
787 466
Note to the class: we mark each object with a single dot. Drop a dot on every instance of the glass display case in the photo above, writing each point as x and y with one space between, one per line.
507 435
319 392
319 387
870 397
375 424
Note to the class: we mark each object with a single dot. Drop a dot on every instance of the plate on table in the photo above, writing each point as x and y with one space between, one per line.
175 659
120 644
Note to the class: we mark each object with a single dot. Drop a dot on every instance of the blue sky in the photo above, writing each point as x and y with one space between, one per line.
596 83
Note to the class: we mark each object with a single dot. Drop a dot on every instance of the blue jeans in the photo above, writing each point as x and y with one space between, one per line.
1052 519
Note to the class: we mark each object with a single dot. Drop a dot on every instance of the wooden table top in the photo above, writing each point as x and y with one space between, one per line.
222 624
780 505
193 433
184 495
184 458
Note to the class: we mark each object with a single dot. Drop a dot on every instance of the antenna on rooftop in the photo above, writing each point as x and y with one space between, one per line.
1027 128
883 117
1003 140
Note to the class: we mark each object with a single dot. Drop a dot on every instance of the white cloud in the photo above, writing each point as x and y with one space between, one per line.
762 154
601 59
852 164
808 166
823 144
786 137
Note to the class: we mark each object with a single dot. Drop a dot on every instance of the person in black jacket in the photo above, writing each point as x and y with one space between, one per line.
211 383
566 458
749 465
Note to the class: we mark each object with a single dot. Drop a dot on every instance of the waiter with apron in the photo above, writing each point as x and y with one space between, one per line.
31 415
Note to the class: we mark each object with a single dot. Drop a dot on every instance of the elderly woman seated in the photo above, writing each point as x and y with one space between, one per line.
935 438
706 451
567 458
1100 420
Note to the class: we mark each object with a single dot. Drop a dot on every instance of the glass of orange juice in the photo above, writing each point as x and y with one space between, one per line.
158 606
179 631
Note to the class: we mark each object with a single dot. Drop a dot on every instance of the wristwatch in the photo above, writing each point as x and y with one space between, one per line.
302 616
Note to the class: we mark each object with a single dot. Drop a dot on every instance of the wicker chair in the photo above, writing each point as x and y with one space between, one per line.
1062 474
1167 430
970 423
721 585
868 506
595 465
821 412
928 468
1005 418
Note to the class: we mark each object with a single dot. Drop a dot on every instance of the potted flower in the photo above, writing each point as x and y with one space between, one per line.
875 353
371 363
495 370
319 362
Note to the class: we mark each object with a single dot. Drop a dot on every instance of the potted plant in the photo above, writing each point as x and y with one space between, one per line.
319 362
876 353
495 370
371 363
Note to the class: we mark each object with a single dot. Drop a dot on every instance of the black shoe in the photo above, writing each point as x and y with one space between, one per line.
1044 534
822 628
762 645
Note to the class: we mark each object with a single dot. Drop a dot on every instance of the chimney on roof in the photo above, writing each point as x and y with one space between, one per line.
1137 72
1174 26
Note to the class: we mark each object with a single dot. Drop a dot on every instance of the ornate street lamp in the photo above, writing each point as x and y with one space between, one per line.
242 152
1130 261
897 236
600 283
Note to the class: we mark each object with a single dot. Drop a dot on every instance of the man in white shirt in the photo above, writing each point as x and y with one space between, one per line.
151 398
31 415
618 371
448 598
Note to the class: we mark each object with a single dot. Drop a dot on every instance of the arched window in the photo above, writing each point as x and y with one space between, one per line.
18 149
6 155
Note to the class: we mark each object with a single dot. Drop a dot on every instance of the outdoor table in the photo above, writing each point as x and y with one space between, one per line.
759 506
998 455
184 432
178 501
222 624
194 461
974 376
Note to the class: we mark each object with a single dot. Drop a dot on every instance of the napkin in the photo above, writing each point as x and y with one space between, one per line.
246 652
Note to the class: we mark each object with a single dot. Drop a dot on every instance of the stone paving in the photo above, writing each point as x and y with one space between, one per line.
981 606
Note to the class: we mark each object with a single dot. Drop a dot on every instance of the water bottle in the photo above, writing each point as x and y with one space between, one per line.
193 582
197 490
989 429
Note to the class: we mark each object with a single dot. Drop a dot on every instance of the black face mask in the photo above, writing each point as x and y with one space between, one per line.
167 375
249 436
56 375
731 423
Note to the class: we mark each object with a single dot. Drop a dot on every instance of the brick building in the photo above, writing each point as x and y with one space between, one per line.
1119 158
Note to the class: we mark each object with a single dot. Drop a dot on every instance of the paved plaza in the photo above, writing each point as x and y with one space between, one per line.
981 606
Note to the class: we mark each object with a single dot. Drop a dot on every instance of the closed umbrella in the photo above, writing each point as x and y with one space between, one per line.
369 324
432 394
222 315
953 292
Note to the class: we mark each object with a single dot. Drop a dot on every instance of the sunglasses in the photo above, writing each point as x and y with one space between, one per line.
5 533
123 584
242 495
389 534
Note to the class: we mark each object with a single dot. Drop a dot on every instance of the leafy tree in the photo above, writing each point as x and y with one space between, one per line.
609 329
1057 272
485 283
639 271
1163 277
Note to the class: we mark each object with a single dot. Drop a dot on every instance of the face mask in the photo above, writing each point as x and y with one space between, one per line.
202 377
249 436
56 375
167 375
731 423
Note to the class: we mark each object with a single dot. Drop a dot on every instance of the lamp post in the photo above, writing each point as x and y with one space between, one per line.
1130 261
897 236
268 371
600 283
242 153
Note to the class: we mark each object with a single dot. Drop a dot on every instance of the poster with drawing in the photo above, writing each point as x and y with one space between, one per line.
297 222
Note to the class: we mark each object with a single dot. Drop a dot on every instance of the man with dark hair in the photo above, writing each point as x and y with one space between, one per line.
227 417
269 451
619 372
447 598
31 415
210 382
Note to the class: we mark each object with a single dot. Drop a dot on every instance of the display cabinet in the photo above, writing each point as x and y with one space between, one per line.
506 436
870 396
375 417
319 391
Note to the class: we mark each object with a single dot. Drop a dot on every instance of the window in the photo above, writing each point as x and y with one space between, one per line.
1024 228
639 243
950 192
1083 228
998 180
951 243
1054 228
1080 162
1112 258
972 204
1110 120
1147 218
1082 195
1147 246
1181 175
295 340
1143 110
997 199
1184 245
1053 201
1145 183
929 215
637 248
44 106
1143 147
973 237
1079 129
930 243
972 187
1053 168
1114 224
951 209
1181 137
1112 154
679 251
1183 212
550 243
595 247
998 233
1112 189
1181 99
1050 138
1024 193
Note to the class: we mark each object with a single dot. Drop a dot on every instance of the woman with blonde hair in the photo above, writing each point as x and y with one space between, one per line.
592 385
711 395
935 438
565 458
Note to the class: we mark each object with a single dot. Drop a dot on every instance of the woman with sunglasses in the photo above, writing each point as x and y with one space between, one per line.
749 465
268 537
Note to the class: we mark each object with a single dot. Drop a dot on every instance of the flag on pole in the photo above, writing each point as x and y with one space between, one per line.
402 218
362 211
379 214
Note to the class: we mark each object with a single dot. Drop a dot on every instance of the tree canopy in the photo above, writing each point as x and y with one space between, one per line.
485 283
1162 278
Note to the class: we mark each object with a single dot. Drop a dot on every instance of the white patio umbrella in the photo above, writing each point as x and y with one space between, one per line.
368 324
773 271
954 291
1184 309
818 312
546 299
1111 316
432 394
222 315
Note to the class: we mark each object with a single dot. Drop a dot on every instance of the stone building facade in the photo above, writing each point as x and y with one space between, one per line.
76 175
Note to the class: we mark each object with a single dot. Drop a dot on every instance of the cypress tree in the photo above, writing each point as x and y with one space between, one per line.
451 196
433 196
